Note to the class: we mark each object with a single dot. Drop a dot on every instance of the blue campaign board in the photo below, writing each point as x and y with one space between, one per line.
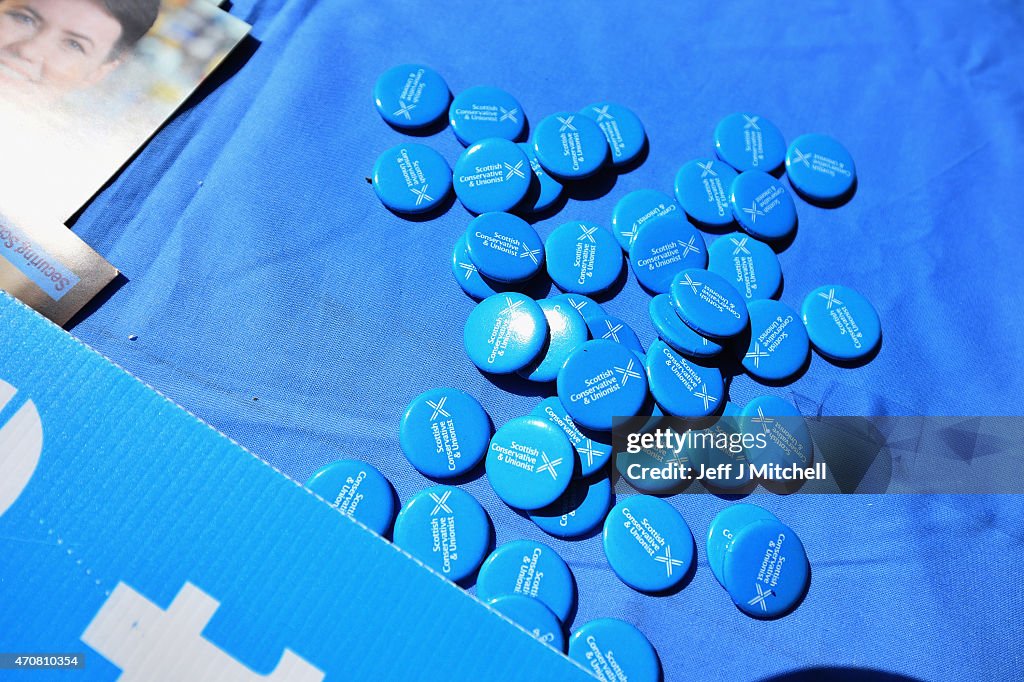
273 295
139 537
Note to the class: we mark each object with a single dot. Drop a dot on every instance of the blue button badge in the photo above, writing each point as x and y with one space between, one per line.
592 449
749 265
820 168
359 491
570 146
602 380
529 462
492 175
612 649
505 333
708 304
663 247
787 440
749 142
504 247
702 188
467 274
566 332
411 96
446 529
648 544
587 307
674 332
411 178
762 206
621 127
531 569
482 112
842 324
778 341
765 569
580 509
723 529
683 388
613 329
583 258
637 208
546 191
532 616
444 433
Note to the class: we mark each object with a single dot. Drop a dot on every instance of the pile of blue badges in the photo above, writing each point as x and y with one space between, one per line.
707 254
759 560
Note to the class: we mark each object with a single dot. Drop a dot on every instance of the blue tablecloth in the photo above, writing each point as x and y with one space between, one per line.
273 296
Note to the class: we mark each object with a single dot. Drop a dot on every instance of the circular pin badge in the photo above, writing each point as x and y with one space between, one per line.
505 333
613 329
359 491
492 175
529 463
762 206
587 307
787 442
634 210
622 129
749 265
842 324
531 569
583 258
648 544
820 168
466 273
570 146
411 178
702 188
663 247
601 380
674 332
681 387
482 112
446 529
411 96
504 247
581 509
532 616
612 649
708 304
566 332
765 569
778 341
749 142
444 433
546 191
723 529
593 450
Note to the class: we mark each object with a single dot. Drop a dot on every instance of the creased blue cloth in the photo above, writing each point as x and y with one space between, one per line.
273 296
